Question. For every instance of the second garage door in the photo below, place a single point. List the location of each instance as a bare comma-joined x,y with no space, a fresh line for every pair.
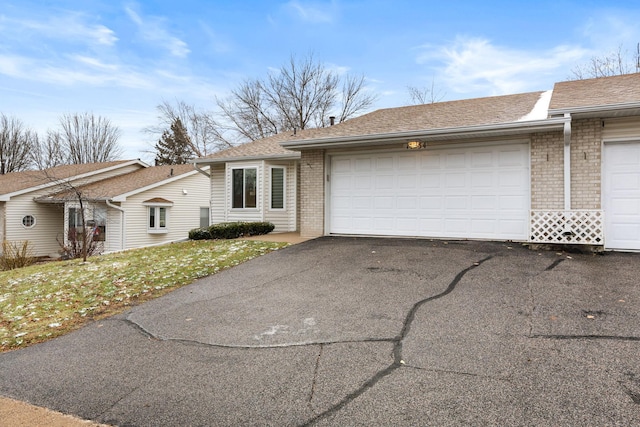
480,192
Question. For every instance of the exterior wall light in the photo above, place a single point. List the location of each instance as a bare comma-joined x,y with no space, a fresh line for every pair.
416,145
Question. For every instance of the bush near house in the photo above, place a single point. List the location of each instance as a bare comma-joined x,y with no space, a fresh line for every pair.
16,255
231,230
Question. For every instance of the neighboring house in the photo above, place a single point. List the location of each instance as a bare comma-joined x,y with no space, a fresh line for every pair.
126,204
560,166
21,218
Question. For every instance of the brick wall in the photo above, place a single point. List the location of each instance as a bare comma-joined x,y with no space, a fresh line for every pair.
586,160
312,193
547,167
547,171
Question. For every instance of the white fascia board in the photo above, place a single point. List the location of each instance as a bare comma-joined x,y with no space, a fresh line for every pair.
123,197
54,182
596,109
502,129
204,160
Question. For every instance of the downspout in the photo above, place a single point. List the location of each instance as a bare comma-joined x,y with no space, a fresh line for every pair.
567,162
122,224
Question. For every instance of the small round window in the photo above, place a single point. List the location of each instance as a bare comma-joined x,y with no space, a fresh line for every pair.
28,221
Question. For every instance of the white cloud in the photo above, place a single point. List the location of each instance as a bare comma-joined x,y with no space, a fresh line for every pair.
153,30
475,65
70,27
314,12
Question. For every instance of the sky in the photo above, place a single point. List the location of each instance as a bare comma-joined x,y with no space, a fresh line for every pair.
120,59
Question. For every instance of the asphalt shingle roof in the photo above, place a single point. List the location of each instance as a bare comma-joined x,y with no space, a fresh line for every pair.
596,92
16,181
122,184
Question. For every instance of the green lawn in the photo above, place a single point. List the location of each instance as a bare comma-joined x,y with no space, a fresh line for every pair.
44,301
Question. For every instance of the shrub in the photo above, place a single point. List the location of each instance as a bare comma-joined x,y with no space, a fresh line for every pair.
200,234
233,230
16,255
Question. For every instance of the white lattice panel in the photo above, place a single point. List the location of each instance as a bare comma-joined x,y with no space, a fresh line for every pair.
584,227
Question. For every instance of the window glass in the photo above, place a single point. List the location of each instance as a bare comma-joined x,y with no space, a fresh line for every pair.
152,217
244,183
163,218
277,188
250,188
238,184
99,223
28,221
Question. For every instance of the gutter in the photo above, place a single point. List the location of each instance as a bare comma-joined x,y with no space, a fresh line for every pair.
205,160
196,167
503,129
123,224
595,109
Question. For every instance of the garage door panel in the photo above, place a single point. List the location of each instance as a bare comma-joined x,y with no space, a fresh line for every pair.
482,159
458,193
621,195
455,180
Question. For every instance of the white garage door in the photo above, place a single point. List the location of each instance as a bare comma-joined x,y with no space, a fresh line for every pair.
621,196
480,192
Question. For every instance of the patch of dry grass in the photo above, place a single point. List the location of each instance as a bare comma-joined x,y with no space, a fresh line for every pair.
40,302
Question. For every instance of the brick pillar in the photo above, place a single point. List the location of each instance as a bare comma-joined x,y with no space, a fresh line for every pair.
312,193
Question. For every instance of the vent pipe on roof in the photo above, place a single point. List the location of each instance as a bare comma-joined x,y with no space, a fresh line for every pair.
332,120
171,172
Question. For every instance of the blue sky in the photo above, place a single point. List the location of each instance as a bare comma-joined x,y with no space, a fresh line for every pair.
120,59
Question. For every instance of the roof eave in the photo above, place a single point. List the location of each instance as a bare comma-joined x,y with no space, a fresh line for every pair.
625,108
464,132
52,181
205,160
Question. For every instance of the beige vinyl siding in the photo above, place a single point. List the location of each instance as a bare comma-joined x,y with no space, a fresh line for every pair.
621,129
183,215
283,219
49,223
114,239
2,221
246,214
218,206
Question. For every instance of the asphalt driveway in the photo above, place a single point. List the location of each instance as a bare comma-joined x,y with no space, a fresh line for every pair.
361,331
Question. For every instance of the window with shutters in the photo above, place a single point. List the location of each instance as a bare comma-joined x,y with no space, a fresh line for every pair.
278,175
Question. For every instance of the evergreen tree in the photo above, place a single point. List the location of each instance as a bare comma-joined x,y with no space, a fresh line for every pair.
174,147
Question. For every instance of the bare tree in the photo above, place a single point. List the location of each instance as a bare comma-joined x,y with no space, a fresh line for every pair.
49,151
614,63
87,138
425,95
16,142
301,94
205,134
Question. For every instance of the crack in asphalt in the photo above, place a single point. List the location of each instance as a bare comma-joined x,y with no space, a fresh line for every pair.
315,379
554,264
398,362
465,374
586,337
154,337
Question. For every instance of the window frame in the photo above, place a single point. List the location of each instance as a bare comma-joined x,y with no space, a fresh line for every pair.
157,228
244,206
284,188
33,223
